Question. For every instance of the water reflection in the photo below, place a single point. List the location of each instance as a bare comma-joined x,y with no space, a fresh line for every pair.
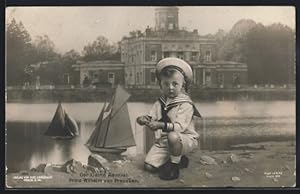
27,146
224,124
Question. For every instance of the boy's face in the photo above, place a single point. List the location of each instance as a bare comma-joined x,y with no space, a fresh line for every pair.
172,86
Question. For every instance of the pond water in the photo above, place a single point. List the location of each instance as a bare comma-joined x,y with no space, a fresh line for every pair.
224,123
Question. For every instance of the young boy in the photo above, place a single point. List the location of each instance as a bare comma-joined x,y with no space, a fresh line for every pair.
171,117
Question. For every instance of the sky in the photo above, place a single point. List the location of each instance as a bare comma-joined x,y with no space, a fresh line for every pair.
74,27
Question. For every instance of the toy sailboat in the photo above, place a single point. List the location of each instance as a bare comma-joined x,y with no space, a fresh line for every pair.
62,125
113,132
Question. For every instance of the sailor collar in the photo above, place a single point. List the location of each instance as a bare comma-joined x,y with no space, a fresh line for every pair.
177,101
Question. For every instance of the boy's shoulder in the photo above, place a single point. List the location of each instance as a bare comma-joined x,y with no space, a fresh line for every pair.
180,99
184,96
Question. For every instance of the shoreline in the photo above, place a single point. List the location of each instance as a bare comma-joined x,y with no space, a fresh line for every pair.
264,164
147,95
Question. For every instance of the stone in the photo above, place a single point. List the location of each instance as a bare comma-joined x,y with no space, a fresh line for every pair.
235,179
233,158
72,166
41,168
118,162
97,161
56,168
286,167
92,169
208,175
207,160
247,170
48,168
23,172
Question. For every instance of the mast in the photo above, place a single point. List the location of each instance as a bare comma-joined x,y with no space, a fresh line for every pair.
113,131
119,133
111,109
92,141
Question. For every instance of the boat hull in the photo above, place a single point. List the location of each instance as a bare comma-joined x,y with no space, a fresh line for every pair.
62,137
108,150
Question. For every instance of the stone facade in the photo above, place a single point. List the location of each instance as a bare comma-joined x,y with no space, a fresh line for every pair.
101,72
141,52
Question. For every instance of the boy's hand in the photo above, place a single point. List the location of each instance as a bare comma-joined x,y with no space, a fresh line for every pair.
143,120
154,125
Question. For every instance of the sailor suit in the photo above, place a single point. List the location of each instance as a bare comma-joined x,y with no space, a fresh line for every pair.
179,111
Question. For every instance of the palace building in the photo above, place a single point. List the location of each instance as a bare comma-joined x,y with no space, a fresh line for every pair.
142,50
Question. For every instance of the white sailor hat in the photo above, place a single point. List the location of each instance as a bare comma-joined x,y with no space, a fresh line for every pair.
178,64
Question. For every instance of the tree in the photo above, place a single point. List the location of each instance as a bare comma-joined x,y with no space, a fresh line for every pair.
44,49
19,52
70,57
269,52
100,49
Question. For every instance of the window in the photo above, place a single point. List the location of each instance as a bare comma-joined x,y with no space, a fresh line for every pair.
208,56
166,54
137,77
207,77
235,79
111,78
180,55
153,56
66,78
171,26
111,75
152,76
194,56
220,78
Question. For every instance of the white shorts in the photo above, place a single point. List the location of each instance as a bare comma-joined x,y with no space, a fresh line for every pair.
159,152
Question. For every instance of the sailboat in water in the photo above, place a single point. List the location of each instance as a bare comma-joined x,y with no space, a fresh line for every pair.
113,132
62,125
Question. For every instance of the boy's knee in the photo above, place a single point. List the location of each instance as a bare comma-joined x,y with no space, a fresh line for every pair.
149,167
173,137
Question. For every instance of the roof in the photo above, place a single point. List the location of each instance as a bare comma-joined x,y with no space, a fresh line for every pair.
99,62
225,63
106,63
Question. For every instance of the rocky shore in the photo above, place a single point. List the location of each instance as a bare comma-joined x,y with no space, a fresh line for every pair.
267,164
